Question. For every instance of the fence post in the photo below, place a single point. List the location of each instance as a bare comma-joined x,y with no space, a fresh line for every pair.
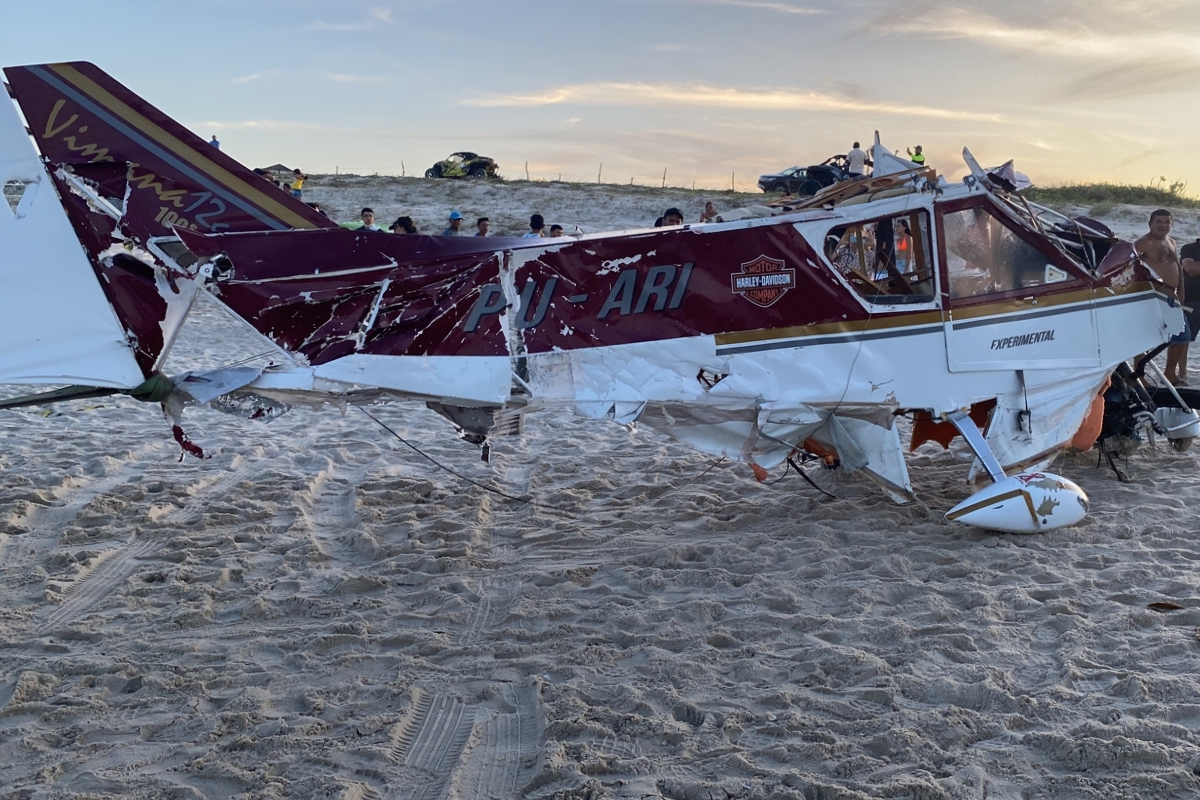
526,170
732,185
402,175
599,172
664,183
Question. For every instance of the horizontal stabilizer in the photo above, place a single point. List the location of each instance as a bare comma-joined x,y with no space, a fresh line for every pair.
56,325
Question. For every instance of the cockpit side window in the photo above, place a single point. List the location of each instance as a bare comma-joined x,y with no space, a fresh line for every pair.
985,256
885,260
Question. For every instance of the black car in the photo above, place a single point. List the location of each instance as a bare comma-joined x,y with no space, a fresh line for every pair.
463,165
805,181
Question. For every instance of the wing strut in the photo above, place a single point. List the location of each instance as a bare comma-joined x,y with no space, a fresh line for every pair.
974,437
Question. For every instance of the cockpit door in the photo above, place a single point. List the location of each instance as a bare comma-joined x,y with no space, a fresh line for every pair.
1013,302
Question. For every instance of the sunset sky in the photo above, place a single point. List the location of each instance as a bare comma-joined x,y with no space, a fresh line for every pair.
706,89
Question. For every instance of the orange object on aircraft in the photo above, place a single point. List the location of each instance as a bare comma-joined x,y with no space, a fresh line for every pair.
925,429
1089,431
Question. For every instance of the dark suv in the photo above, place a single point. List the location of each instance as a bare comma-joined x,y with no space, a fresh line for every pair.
805,181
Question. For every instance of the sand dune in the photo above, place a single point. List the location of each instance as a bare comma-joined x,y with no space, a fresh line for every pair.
317,611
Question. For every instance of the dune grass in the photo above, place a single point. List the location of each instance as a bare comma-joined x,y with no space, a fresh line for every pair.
1103,196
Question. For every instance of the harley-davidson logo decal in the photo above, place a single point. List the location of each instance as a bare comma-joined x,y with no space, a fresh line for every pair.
763,281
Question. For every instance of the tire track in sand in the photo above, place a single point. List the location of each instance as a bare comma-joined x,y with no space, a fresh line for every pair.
429,743
505,754
90,588
360,791
46,524
97,582
496,589
328,512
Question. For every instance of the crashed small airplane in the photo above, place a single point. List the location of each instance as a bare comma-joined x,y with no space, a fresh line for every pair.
806,333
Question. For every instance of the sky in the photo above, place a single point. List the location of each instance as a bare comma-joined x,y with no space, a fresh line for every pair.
713,92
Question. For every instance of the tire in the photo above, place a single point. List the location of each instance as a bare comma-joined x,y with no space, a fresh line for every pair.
1182,445
809,188
477,172
434,172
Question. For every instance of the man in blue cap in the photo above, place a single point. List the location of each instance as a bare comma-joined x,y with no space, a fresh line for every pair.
455,228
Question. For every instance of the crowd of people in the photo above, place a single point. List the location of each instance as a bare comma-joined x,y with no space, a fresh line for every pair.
455,222
294,186
538,229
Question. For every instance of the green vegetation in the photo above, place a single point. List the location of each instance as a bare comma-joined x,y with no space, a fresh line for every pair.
1102,197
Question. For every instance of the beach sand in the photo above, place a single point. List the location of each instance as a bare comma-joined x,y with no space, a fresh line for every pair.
318,611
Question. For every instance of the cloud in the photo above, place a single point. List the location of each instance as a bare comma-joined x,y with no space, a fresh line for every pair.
247,78
762,5
1151,76
340,27
1114,41
376,17
1141,155
262,125
707,96
341,77
1073,40
383,15
675,48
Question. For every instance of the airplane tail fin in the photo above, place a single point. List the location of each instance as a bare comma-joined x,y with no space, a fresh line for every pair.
127,176
79,115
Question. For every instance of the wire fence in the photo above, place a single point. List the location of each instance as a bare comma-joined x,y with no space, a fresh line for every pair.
666,179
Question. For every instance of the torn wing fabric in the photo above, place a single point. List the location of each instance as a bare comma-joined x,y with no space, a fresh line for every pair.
204,387
1029,428
767,435
56,326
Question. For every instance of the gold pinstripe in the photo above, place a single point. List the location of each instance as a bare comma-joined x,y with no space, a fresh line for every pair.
183,151
901,320
962,512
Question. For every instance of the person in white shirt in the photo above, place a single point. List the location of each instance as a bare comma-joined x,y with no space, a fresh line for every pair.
856,161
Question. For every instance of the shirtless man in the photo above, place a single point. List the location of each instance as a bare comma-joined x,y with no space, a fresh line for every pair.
1189,256
1157,250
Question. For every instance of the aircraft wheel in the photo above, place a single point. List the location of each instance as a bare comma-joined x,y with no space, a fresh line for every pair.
1182,445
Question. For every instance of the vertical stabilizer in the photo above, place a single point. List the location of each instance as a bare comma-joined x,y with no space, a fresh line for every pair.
886,163
128,177
80,115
